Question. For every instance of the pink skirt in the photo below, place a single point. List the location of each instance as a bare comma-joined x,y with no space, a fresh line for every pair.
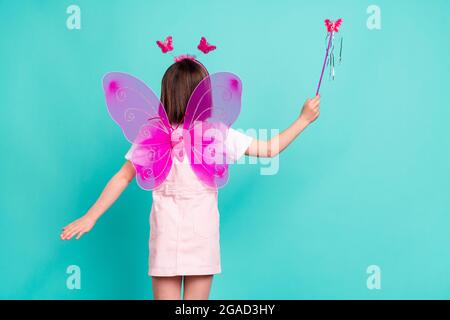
184,232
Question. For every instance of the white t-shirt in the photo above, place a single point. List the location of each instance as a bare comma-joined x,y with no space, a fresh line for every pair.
236,144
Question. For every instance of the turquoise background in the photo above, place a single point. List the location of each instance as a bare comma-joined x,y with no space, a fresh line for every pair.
368,183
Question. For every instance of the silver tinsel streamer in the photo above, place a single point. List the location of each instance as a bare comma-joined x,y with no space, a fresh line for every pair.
331,57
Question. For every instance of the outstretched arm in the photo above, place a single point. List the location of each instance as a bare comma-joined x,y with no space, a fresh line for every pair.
272,147
109,195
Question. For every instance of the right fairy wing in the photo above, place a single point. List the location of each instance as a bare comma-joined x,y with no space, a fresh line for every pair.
212,108
143,119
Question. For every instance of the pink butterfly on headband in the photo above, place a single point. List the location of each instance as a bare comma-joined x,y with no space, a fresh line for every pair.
212,108
204,46
165,45
333,26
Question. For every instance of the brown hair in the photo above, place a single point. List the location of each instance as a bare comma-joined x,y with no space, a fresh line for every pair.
178,83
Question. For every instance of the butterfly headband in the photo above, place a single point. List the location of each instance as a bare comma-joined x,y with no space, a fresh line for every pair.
167,46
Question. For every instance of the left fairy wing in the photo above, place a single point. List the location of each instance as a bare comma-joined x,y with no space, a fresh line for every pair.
213,107
142,117
134,106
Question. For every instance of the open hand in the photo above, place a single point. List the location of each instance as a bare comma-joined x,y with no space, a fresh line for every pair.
77,228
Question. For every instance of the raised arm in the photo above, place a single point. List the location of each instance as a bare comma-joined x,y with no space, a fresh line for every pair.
271,148
114,188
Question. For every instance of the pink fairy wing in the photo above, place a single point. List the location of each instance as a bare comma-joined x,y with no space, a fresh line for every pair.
152,160
133,106
216,99
140,114
213,107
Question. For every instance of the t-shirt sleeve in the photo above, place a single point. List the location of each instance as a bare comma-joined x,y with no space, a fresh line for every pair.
129,153
236,144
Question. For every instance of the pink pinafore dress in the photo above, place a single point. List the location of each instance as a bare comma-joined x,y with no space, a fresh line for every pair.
184,225
184,220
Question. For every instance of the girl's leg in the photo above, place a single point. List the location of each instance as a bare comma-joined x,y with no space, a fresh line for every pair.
166,288
197,287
